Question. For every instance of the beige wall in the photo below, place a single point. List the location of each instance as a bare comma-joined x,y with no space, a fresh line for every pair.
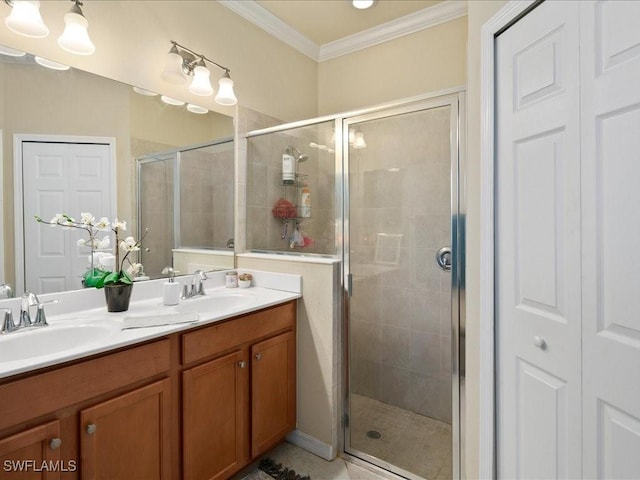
479,13
426,61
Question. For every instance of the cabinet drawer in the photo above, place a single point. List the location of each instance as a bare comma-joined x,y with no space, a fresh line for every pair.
57,389
224,336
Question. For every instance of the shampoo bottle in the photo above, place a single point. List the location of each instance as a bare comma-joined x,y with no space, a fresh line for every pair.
171,290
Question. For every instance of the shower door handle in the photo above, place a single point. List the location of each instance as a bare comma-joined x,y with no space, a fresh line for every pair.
443,258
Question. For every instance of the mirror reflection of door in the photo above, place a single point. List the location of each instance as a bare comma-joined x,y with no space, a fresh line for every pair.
61,177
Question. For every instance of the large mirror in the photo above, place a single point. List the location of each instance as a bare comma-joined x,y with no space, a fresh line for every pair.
44,106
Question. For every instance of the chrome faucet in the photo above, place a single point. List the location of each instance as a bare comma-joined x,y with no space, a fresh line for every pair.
7,321
196,287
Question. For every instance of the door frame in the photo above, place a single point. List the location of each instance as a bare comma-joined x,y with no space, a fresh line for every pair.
506,16
457,102
18,210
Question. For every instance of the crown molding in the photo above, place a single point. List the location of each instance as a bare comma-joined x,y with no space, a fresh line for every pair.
429,17
252,11
412,23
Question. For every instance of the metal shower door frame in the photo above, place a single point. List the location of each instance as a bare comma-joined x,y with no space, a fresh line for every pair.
456,101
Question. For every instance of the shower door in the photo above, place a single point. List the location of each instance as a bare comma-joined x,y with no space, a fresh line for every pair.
402,270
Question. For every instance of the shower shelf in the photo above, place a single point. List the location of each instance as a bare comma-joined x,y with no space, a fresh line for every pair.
293,190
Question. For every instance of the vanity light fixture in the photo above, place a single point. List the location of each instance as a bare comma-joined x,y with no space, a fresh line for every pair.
75,38
171,101
11,52
358,140
183,63
51,64
25,18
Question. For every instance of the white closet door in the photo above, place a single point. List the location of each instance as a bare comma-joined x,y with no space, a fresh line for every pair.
61,178
610,61
538,245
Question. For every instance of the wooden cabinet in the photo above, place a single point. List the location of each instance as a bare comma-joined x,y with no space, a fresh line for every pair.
238,405
273,387
33,454
128,436
214,417
199,404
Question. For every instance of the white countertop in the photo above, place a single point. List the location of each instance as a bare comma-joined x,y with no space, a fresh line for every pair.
90,310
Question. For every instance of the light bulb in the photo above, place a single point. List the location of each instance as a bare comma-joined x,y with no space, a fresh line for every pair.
225,94
197,109
75,38
200,85
25,19
51,64
362,4
172,72
171,100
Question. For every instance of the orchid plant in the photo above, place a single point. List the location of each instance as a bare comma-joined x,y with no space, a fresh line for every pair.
97,277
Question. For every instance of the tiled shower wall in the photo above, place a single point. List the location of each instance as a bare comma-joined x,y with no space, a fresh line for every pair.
400,314
265,187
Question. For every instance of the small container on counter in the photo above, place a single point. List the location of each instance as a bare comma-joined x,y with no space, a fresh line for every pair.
244,280
231,280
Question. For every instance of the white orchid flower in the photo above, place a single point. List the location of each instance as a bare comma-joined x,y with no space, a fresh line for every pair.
58,219
105,242
103,225
129,244
119,224
134,269
87,219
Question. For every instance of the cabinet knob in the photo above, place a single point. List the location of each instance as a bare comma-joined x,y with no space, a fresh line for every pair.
540,342
91,428
258,356
242,364
55,443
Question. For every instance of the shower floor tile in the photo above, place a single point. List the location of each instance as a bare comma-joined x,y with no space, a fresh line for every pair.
415,443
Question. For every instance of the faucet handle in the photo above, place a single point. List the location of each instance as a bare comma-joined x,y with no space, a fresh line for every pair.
7,321
28,300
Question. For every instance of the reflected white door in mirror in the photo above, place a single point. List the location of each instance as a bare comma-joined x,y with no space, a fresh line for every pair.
59,174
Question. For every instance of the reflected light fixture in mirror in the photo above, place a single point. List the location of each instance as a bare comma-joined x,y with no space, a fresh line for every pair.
11,52
171,101
50,64
182,63
75,38
363,4
196,109
25,19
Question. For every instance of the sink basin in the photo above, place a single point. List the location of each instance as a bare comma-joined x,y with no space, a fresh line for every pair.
220,302
56,338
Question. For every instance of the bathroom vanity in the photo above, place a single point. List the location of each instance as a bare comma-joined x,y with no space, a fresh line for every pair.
200,401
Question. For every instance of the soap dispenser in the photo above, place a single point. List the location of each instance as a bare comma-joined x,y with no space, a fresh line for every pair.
171,290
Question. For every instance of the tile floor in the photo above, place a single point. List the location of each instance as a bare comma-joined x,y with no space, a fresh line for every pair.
415,443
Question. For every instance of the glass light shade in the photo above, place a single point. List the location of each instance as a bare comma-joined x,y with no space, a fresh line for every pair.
359,140
171,101
75,38
11,52
200,85
25,19
196,109
225,94
172,72
142,91
51,64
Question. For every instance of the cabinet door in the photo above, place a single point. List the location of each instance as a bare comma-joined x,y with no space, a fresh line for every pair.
273,390
32,454
128,436
215,407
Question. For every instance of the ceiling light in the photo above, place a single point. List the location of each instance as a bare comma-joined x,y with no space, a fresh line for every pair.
182,63
225,94
196,109
363,4
75,38
142,91
25,19
10,52
171,101
51,64
201,85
